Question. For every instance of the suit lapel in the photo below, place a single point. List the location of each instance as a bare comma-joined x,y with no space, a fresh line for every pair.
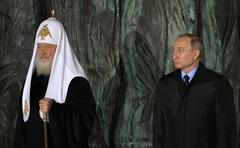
178,86
198,77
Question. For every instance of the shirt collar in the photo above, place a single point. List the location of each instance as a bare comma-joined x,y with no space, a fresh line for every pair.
190,74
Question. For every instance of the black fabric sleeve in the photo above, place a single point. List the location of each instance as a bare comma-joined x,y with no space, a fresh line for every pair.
225,116
75,117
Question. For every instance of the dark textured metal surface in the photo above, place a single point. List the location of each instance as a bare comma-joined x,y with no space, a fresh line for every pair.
124,46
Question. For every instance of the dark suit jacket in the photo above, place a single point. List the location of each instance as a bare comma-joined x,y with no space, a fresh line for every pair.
201,115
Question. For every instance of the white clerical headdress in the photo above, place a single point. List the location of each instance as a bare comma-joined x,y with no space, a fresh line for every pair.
64,68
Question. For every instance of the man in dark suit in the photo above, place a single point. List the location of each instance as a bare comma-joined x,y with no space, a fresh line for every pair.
194,106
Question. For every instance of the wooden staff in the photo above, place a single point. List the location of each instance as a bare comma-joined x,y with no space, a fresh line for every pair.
45,115
45,120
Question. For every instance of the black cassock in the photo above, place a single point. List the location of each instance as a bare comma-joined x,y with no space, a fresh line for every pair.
69,124
201,115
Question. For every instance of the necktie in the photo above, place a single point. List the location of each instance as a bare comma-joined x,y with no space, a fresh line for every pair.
186,80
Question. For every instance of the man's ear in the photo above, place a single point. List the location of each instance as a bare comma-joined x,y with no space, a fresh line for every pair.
196,53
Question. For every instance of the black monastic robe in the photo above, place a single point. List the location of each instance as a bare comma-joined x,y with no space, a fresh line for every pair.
201,115
69,124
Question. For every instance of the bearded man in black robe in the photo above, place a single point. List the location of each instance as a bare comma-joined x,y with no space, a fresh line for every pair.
56,86
194,106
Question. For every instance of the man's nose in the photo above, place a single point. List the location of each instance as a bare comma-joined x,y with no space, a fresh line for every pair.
174,55
42,51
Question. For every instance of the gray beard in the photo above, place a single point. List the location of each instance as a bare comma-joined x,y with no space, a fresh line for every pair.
43,68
